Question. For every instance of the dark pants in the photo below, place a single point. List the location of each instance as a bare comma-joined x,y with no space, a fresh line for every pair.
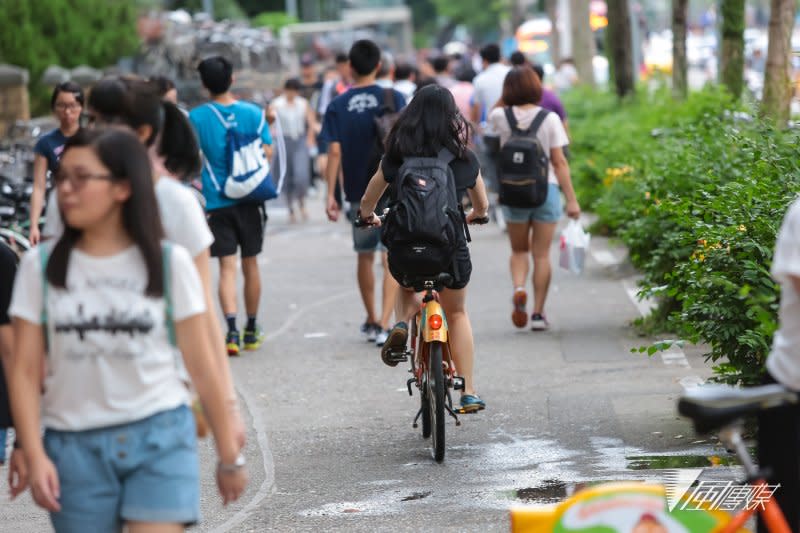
779,452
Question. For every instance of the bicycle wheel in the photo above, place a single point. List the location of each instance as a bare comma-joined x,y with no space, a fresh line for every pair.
436,399
426,408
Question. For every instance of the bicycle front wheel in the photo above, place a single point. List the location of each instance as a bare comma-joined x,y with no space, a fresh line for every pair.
436,399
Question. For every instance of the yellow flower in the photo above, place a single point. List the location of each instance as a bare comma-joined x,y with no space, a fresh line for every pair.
742,228
647,195
715,460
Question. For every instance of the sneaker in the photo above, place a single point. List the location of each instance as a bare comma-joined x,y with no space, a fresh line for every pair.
520,315
395,344
370,331
253,339
232,343
539,322
381,337
471,403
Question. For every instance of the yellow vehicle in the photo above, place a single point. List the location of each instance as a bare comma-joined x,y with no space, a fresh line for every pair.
617,508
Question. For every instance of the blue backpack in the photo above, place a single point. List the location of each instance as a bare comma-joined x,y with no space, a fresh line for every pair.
249,179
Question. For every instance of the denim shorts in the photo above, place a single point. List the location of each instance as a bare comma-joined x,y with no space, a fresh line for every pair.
145,471
365,240
549,212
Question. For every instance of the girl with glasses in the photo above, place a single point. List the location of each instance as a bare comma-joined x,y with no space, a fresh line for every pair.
112,305
67,105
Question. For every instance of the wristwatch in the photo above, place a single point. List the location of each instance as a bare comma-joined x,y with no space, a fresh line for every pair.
234,467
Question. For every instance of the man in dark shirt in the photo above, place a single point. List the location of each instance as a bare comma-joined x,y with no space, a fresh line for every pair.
349,127
17,469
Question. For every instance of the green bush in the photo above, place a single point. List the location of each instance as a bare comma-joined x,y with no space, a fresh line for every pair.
698,197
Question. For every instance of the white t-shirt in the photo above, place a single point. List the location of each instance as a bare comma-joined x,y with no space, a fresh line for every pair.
182,216
489,85
110,360
293,116
784,360
551,134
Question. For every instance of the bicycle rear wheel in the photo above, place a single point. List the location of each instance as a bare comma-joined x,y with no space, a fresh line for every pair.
436,399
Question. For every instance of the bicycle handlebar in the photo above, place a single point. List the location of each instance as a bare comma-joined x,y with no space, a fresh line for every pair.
361,223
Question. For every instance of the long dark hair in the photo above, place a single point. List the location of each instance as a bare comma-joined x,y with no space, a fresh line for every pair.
126,159
429,123
137,103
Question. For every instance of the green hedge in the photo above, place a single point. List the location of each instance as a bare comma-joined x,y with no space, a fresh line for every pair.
697,193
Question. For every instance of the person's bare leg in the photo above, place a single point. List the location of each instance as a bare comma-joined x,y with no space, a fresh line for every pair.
519,236
462,344
252,285
406,305
366,283
390,291
227,284
541,240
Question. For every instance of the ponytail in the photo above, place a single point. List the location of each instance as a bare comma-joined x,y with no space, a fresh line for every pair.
178,144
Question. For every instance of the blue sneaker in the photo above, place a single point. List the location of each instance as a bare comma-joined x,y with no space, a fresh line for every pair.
471,403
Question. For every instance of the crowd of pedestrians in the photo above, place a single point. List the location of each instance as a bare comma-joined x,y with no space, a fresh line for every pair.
116,350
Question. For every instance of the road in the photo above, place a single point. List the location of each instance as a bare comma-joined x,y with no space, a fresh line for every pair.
330,442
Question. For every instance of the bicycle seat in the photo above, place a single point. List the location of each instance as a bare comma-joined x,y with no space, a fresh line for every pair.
713,407
438,282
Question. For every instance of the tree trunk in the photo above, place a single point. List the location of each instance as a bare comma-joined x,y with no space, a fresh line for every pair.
621,43
582,41
555,35
680,69
777,78
732,57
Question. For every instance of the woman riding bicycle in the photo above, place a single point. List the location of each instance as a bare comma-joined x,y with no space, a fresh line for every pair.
430,123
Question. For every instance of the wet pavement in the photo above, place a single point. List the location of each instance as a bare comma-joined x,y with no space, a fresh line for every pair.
331,446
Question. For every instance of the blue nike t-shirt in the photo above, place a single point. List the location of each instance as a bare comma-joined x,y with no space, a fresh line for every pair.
212,135
350,121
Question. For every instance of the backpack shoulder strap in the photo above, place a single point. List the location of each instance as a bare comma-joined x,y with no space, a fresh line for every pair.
44,256
219,115
445,156
512,120
166,268
537,122
388,100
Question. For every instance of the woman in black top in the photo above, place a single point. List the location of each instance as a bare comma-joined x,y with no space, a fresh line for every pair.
67,105
428,124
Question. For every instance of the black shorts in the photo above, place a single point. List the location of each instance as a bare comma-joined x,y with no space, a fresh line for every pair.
461,270
235,227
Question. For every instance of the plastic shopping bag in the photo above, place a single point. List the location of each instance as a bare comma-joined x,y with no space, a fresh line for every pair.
574,245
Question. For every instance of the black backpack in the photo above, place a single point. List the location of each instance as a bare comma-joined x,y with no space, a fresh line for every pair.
425,225
523,165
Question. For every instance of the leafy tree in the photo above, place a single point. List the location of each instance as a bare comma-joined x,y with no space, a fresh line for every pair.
732,57
778,87
35,35
679,61
274,20
480,16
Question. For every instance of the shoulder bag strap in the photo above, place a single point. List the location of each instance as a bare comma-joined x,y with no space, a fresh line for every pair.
43,258
166,268
445,156
219,115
